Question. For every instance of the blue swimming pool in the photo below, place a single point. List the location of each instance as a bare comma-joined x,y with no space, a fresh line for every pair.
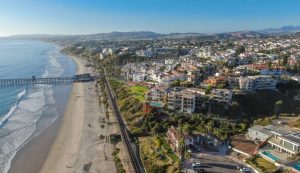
296,166
268,154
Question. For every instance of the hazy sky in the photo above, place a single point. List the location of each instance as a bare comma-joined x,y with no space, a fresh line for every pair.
165,16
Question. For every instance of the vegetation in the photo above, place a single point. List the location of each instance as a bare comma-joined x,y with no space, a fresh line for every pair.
261,164
278,107
129,100
295,123
264,121
157,155
117,160
138,92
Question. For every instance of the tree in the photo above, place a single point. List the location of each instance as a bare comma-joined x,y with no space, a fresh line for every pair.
186,128
156,128
181,147
240,49
269,64
277,107
208,89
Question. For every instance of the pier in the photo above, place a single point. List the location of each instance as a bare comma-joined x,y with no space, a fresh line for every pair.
47,81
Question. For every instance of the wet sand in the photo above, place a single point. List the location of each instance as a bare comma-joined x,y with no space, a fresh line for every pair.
72,143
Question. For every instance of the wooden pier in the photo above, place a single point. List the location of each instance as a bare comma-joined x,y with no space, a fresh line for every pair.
48,80
33,81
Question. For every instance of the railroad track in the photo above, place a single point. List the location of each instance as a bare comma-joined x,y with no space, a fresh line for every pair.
136,161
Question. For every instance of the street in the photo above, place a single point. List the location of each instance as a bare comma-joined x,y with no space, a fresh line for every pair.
212,163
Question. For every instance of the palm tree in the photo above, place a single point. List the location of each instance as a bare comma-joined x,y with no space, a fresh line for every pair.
181,147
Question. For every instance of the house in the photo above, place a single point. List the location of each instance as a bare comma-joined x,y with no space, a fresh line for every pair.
174,136
215,81
260,133
285,140
257,82
138,77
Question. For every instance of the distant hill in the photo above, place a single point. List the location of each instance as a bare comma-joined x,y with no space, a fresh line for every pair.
153,35
124,35
282,30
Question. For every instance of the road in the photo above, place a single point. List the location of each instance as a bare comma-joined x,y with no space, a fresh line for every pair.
213,164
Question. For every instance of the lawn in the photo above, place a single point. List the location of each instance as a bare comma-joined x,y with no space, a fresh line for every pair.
139,92
262,164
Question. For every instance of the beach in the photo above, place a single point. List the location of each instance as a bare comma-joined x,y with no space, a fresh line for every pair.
72,143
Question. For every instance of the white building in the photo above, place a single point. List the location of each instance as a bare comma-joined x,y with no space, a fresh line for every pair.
273,72
260,133
257,82
144,53
221,95
138,77
182,101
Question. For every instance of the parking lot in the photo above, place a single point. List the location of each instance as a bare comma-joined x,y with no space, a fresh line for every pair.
212,163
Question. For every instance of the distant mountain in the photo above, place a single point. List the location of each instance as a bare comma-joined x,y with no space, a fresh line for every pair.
99,36
153,35
282,30
123,35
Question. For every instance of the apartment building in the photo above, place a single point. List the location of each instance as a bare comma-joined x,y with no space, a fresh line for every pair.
257,82
182,101
159,93
221,96
145,53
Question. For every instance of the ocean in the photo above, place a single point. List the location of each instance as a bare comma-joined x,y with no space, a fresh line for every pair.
26,111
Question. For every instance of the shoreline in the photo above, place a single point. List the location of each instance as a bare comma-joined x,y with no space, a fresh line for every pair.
66,143
39,147
73,140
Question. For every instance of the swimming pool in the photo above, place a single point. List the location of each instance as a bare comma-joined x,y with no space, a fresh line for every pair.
268,154
296,166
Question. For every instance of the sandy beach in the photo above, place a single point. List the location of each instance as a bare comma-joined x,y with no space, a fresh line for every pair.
77,147
72,143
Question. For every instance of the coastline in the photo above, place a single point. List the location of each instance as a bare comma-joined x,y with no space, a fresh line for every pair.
72,143
66,143
38,148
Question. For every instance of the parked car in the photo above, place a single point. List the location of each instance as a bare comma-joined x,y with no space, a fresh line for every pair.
245,170
198,166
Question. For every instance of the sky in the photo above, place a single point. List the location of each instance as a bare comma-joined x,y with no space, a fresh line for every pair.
162,16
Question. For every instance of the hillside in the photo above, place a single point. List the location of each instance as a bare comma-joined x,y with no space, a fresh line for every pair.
261,103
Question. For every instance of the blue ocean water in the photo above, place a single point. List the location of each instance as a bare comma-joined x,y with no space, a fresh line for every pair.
21,108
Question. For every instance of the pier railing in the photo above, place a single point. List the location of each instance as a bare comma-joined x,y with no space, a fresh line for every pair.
33,81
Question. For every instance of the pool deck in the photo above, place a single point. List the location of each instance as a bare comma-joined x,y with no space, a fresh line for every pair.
282,156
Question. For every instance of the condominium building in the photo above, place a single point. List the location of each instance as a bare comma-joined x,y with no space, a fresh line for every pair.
221,95
257,82
182,101
159,93
145,53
